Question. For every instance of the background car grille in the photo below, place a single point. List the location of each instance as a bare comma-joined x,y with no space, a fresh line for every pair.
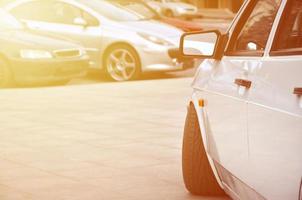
67,53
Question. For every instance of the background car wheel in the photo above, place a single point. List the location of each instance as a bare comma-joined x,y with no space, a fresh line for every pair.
169,13
5,75
122,63
197,173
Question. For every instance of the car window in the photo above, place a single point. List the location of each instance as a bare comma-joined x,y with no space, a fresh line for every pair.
113,10
140,8
52,11
36,10
288,40
252,32
174,1
67,13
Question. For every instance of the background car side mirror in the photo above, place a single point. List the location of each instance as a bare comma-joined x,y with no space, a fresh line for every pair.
80,22
206,44
24,24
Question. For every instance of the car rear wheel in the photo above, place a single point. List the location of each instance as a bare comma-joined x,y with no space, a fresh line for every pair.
122,63
197,173
5,75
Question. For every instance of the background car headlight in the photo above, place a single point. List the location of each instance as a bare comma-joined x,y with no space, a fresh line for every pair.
35,54
155,39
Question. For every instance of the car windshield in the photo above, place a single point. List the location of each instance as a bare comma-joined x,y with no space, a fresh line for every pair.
115,11
173,1
8,22
139,7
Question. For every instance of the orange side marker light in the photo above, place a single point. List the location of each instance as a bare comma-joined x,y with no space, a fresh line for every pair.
201,103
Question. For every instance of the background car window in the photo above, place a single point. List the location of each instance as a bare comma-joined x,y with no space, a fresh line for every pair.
140,8
113,10
36,10
66,14
174,1
251,36
52,11
288,40
91,20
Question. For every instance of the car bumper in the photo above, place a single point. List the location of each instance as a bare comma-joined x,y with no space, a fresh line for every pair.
158,59
40,71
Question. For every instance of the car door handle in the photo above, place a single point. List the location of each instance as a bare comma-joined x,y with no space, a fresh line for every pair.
242,82
298,91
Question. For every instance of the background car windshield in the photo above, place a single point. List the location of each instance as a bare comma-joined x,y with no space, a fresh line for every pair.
114,11
173,1
140,8
8,22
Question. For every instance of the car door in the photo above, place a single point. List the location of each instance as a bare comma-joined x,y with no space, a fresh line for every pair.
275,112
62,20
230,86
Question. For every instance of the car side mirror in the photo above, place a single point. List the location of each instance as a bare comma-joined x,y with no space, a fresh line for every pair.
23,24
202,44
80,22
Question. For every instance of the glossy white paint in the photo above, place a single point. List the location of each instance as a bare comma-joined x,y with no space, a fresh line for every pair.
96,39
275,128
254,134
226,110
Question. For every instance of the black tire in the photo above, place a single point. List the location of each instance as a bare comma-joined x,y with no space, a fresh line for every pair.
6,76
197,173
111,71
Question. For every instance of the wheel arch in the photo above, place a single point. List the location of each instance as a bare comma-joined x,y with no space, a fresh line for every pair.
201,115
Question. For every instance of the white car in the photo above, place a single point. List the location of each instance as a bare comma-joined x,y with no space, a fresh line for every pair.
172,8
120,41
243,133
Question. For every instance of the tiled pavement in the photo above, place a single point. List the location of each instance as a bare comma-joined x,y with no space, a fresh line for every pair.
94,142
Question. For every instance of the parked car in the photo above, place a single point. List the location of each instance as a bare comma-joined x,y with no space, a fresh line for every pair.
173,8
243,129
121,42
144,9
26,58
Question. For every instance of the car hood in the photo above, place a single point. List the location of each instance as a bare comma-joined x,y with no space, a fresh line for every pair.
24,39
153,27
